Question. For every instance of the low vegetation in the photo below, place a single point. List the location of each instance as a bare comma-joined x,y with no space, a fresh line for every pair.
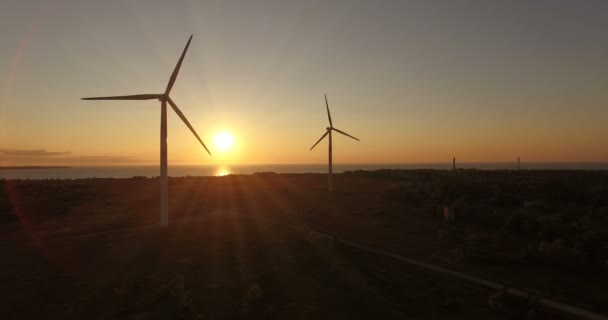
543,231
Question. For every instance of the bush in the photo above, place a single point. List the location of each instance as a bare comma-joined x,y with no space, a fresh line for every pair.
496,219
558,252
516,222
600,216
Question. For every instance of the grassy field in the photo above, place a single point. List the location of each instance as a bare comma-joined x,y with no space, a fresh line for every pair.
225,256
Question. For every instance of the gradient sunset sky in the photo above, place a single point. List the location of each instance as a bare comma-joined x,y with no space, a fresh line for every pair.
416,81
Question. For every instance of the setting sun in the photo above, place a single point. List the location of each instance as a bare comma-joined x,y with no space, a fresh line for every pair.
223,141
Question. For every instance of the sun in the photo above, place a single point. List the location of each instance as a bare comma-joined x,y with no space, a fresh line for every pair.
223,141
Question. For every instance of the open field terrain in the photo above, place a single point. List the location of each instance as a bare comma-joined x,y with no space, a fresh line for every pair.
89,248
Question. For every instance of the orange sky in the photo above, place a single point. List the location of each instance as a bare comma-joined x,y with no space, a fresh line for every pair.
420,81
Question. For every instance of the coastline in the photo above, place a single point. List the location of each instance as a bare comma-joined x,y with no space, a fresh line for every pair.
33,167
210,170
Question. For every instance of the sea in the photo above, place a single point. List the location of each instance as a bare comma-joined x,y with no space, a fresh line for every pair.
82,172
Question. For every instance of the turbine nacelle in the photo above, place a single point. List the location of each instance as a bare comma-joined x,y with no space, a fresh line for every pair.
330,128
163,97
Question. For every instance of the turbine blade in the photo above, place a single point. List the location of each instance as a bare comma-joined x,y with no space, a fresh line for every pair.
177,67
181,115
328,114
130,97
344,133
323,136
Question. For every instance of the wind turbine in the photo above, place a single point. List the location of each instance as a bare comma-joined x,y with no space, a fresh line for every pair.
328,131
164,98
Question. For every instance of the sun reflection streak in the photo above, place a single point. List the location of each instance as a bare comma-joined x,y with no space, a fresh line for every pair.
222,171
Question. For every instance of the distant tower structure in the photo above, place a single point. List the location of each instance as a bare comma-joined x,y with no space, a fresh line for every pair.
518,163
454,163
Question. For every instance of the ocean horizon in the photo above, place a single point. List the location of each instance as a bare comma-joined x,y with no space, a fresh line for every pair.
129,171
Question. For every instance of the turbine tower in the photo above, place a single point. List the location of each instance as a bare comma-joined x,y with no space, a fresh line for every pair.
164,98
518,162
328,131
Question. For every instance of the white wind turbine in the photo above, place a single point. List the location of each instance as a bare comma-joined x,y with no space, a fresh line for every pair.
328,132
163,98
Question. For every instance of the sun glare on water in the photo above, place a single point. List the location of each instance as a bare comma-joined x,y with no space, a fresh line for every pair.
222,171
223,141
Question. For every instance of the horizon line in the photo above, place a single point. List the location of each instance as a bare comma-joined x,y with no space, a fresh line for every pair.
308,163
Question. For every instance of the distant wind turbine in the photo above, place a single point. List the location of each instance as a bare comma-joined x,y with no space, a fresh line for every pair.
163,98
328,131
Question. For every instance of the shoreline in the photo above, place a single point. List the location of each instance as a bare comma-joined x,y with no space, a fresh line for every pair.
33,167
359,172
